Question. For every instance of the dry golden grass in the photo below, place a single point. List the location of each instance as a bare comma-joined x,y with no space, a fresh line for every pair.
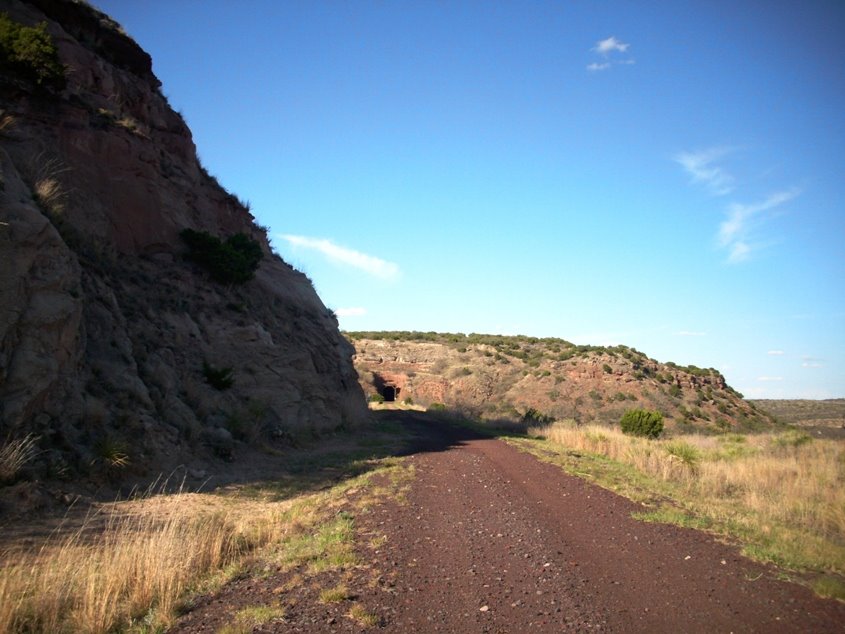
335,594
132,562
14,454
44,174
247,619
127,560
50,195
7,123
362,616
786,492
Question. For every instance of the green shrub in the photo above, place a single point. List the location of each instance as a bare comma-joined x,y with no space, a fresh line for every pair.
641,422
28,53
607,369
408,401
533,416
218,378
675,390
436,407
376,398
231,262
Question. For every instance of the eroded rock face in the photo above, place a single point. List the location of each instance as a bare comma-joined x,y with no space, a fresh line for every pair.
507,379
105,327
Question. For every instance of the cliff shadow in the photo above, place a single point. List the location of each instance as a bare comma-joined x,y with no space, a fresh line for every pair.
330,460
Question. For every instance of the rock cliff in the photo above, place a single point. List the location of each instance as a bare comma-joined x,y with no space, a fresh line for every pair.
505,377
112,343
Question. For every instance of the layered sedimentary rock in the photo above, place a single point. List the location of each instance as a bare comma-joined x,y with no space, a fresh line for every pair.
109,337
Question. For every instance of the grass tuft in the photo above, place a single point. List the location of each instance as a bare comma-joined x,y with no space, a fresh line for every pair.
330,546
829,587
360,614
684,453
250,617
15,454
335,594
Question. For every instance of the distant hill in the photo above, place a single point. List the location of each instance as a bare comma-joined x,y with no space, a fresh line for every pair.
806,412
504,377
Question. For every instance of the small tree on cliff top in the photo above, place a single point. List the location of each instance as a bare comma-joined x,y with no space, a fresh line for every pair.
28,53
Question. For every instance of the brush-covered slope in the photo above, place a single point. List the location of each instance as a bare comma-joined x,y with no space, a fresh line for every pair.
503,377
117,351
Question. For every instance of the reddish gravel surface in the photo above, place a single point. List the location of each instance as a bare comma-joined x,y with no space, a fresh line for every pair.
493,540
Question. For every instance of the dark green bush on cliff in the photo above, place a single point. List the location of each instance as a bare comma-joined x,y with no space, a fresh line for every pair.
218,378
641,422
28,53
536,417
231,262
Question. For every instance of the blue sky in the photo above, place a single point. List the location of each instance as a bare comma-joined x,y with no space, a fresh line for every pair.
670,176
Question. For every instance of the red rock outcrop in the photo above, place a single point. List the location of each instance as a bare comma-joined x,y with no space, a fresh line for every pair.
510,375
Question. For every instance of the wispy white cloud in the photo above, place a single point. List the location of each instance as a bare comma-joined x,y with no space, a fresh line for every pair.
811,362
691,333
345,256
735,228
701,166
775,353
735,233
355,311
605,47
609,51
739,252
769,379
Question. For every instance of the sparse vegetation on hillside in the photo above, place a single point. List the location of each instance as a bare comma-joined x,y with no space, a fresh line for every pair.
29,54
528,349
502,376
233,261
804,411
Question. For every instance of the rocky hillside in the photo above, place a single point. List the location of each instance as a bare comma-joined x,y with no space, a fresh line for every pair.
118,352
504,377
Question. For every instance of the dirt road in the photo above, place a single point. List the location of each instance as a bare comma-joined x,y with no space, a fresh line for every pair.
492,540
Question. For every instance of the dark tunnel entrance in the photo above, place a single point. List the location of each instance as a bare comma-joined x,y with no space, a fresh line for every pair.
390,393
